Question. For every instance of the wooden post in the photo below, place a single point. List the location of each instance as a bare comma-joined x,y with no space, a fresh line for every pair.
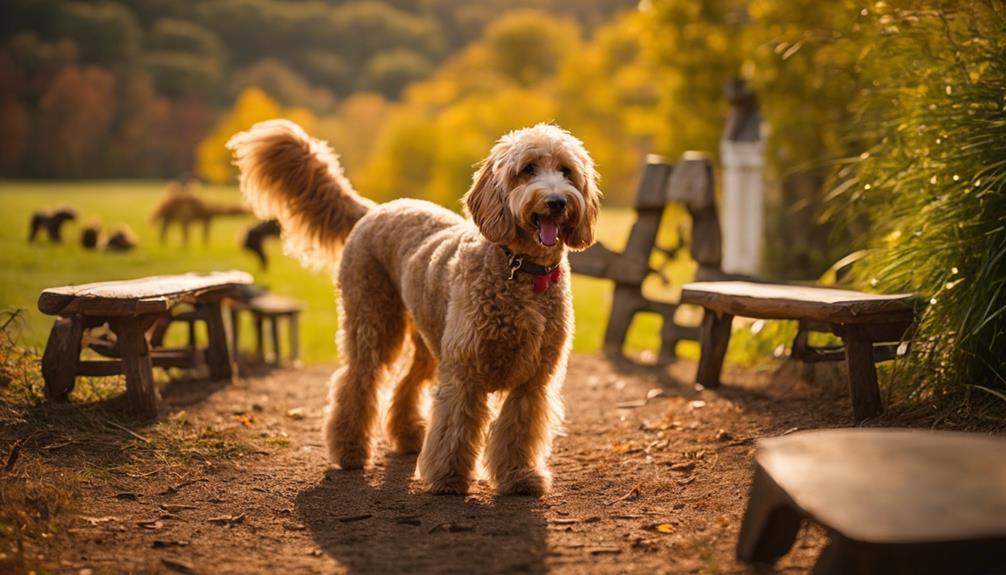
295,337
141,393
218,351
59,361
862,372
714,337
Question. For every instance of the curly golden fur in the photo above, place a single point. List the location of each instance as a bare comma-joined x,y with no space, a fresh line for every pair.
414,275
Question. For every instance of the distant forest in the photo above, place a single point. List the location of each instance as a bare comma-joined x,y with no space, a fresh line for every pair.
103,89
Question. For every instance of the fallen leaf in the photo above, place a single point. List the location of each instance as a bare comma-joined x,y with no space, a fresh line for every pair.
449,527
227,519
633,493
352,518
683,467
665,528
100,520
176,507
178,565
242,419
654,393
162,543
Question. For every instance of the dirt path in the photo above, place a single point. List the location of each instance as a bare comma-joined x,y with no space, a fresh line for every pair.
653,486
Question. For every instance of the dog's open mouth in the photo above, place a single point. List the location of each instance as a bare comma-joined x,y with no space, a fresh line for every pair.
548,229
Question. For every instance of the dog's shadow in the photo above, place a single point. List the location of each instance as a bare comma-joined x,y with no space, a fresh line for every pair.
379,521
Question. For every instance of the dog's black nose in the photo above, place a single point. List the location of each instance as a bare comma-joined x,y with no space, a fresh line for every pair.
556,205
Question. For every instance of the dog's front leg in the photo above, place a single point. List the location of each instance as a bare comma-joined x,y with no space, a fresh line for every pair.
456,434
521,439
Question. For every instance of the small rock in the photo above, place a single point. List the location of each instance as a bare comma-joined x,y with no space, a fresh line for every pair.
297,413
723,435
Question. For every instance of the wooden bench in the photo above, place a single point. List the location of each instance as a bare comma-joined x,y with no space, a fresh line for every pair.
860,319
690,184
892,501
269,308
136,312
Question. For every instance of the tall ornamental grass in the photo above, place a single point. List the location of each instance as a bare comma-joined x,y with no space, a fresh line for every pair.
933,187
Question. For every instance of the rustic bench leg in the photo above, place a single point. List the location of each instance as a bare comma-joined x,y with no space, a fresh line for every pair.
259,338
625,302
294,337
276,347
862,373
141,393
59,361
770,525
218,352
236,333
714,337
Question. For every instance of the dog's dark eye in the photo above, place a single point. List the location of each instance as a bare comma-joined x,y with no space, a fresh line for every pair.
566,172
528,170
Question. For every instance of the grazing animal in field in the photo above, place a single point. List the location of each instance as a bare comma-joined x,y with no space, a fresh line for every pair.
483,302
255,238
52,222
90,237
121,240
182,205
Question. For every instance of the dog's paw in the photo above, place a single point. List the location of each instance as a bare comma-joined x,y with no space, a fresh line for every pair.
409,442
529,482
449,486
349,456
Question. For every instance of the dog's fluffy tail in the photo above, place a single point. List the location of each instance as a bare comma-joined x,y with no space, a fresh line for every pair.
292,177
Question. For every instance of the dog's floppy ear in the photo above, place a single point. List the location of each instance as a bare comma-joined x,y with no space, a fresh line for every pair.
580,236
487,205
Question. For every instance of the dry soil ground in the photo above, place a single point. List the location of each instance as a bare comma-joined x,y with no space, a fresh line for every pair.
651,476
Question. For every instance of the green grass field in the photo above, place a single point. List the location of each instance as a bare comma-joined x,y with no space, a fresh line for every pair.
26,269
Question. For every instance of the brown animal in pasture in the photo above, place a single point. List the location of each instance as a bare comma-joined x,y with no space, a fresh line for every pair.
90,236
182,205
483,302
52,222
255,238
121,240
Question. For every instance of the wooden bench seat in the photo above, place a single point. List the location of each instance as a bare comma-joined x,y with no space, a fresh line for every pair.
892,501
860,319
137,312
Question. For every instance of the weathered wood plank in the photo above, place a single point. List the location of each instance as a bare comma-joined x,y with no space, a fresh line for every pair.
774,301
133,297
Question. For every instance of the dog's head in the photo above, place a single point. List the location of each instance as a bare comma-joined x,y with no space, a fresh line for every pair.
536,193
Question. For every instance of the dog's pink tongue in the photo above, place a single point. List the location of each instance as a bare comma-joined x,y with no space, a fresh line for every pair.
548,232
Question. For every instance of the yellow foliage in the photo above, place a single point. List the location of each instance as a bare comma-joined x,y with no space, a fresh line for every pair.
213,159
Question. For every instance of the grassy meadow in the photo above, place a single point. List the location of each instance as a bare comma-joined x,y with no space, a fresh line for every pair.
26,269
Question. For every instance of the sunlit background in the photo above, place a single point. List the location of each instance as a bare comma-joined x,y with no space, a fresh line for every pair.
882,127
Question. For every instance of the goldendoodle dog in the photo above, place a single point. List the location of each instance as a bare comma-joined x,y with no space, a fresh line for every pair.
485,301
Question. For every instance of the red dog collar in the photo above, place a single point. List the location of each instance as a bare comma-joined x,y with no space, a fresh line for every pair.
543,275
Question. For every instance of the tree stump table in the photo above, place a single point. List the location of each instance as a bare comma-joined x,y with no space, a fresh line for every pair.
132,309
860,319
892,501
